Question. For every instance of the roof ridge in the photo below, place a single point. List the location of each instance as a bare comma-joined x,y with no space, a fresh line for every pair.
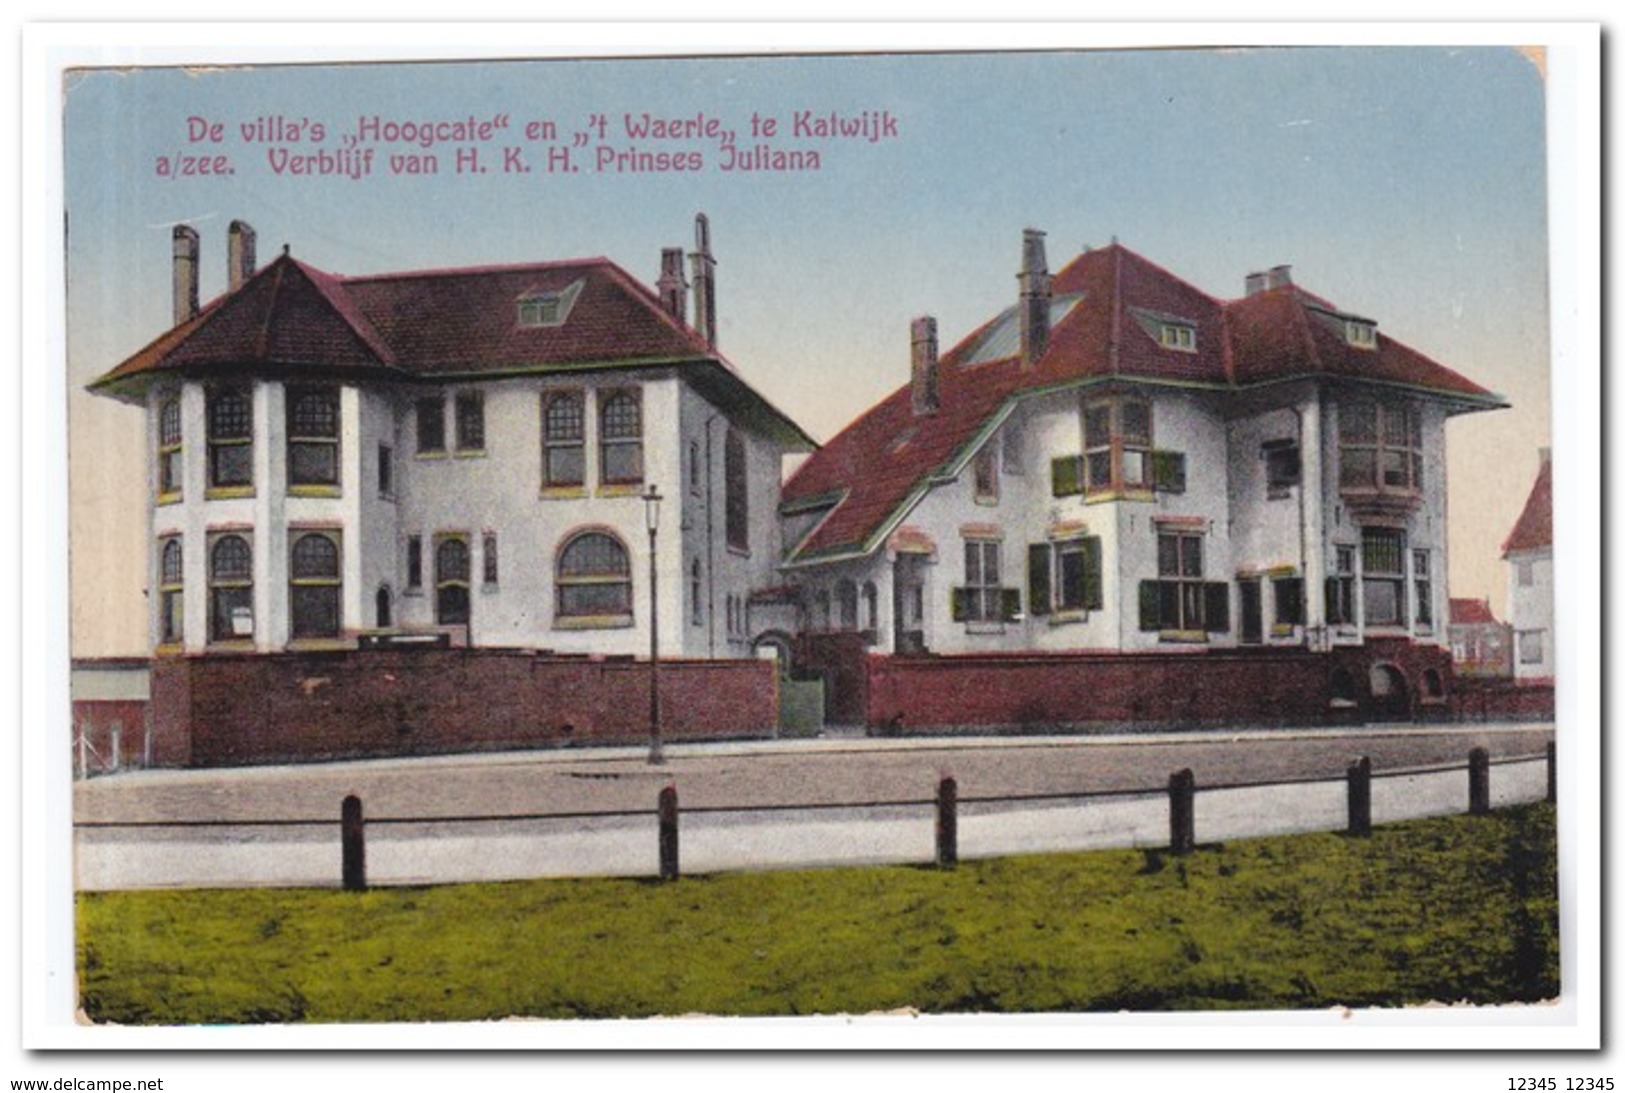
472,271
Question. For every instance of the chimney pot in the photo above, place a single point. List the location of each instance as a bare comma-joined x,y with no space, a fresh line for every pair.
1280,276
923,360
184,272
1256,283
240,259
1035,297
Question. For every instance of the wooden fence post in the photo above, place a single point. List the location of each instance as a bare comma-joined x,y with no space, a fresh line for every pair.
1182,812
353,836
1478,782
947,823
668,833
1551,771
1360,798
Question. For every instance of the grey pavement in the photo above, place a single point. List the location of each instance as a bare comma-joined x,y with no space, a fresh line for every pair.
724,775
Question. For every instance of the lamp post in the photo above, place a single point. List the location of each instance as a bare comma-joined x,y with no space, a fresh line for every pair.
651,516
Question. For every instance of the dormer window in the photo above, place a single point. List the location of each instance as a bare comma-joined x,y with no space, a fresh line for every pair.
1181,336
1360,333
538,309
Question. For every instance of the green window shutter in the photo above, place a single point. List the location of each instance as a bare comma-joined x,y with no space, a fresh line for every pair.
1216,606
1094,598
1065,479
1010,604
1038,589
1150,605
961,597
1168,471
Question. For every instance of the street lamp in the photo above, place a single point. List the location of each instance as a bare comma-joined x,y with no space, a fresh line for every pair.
651,517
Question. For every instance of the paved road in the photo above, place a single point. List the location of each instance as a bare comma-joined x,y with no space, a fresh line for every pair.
801,780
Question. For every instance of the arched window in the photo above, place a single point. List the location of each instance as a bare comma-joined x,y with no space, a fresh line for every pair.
383,608
451,570
564,435
315,585
594,578
231,589
171,593
871,607
170,455
846,600
620,439
696,607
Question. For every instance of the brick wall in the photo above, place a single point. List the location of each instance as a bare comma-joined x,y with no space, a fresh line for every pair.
1148,690
224,710
96,720
1504,700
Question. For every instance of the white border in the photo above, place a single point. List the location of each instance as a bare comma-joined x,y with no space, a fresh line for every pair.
1573,117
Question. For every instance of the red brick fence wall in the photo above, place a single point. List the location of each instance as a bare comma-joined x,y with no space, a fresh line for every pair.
225,710
1213,687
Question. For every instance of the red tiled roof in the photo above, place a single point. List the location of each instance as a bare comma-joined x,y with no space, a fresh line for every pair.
1533,531
1470,612
1110,304
431,323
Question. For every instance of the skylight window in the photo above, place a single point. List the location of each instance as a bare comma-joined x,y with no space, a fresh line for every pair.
1181,336
539,309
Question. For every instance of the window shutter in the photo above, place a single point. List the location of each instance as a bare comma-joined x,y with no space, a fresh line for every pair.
1065,478
1038,586
1010,604
1150,605
1168,471
1094,598
1216,606
961,597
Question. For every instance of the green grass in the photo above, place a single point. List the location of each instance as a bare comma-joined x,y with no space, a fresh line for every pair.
1449,909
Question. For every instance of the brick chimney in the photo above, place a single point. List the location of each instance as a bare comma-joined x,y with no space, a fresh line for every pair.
672,288
240,262
705,285
1035,297
923,358
185,273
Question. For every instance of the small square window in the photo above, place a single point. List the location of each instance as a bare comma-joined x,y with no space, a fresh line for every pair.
1178,336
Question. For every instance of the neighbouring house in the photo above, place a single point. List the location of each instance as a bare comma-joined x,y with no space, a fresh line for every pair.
1122,464
456,457
1528,554
1480,643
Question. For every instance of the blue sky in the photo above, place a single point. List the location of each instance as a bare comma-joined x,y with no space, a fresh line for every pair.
1407,184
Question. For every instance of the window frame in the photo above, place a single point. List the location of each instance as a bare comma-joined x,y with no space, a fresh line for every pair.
302,438
736,492
615,436
983,598
468,422
453,598
1108,452
227,590
1394,440
1376,544
430,411
304,586
225,442
171,590
562,435
985,473
171,452
566,583
1422,588
1181,587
